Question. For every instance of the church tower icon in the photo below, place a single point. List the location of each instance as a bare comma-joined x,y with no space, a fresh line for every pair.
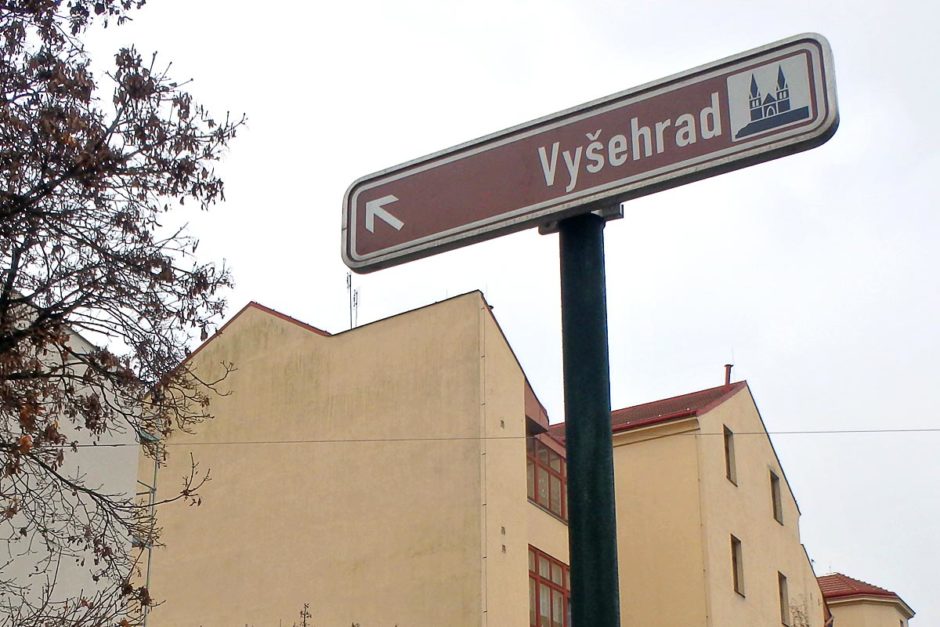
773,109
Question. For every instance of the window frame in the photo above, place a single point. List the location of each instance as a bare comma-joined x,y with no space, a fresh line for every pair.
535,465
776,497
737,565
783,591
731,471
538,582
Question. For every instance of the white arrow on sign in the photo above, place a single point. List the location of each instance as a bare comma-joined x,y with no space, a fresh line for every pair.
374,208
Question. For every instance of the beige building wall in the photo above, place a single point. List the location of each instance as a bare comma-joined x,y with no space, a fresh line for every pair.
867,613
503,463
548,534
676,512
659,537
745,509
378,475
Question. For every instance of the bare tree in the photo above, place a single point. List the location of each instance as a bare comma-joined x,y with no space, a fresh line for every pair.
93,172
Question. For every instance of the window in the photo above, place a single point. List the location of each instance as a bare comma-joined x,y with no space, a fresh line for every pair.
729,457
549,591
784,599
775,495
547,478
737,566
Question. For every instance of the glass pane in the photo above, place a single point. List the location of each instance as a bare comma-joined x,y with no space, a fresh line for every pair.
531,479
531,561
533,614
555,460
544,568
558,608
545,605
556,574
542,453
542,497
567,580
555,503
529,445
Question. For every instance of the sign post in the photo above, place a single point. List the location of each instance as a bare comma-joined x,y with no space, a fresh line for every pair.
592,525
565,172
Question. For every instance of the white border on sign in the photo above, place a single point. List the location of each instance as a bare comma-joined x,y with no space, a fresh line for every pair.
767,146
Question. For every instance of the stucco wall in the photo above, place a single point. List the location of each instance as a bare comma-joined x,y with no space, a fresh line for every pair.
867,614
746,510
369,505
506,591
659,527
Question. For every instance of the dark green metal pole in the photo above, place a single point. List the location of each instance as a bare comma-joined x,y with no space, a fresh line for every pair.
592,526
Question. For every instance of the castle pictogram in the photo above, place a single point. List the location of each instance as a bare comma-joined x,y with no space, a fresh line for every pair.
772,110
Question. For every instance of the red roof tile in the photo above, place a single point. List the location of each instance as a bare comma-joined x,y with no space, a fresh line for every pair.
837,585
837,588
684,406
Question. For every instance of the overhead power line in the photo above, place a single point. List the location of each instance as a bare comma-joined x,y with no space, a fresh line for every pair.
492,438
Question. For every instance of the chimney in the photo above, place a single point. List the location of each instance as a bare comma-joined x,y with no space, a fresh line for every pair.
728,368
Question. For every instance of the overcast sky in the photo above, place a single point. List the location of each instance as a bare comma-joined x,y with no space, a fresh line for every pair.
815,274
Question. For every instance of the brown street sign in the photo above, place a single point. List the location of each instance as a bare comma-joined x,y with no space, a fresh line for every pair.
755,106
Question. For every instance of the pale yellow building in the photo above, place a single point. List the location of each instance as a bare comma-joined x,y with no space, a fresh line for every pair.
856,603
708,530
376,474
400,473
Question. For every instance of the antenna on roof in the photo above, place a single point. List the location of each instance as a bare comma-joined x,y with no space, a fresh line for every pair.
355,306
349,290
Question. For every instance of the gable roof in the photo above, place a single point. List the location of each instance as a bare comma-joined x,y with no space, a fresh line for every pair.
282,316
255,305
656,412
534,408
836,587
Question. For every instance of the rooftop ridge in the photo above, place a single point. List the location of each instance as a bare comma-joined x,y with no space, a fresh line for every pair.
836,585
677,397
284,316
725,390
685,405
838,588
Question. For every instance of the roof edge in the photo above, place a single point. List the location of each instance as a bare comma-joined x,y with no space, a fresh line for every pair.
655,421
512,351
870,597
283,316
852,589
254,305
773,449
731,390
